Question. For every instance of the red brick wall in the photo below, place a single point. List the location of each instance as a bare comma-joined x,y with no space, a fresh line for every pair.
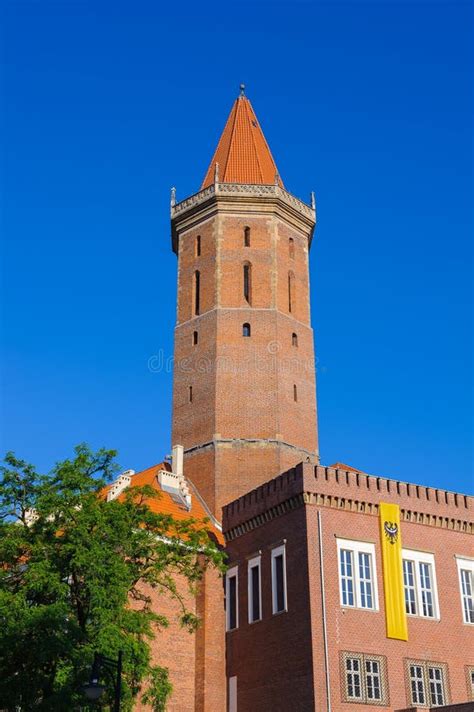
196,661
272,658
243,388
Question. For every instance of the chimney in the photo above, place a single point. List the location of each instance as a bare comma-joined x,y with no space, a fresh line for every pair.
173,482
177,456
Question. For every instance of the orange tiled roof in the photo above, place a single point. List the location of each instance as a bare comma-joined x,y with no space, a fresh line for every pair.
242,153
165,504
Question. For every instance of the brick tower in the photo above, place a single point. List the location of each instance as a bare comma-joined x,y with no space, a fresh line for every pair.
244,396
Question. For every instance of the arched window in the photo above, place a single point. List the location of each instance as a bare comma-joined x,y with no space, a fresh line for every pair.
246,329
295,393
248,282
291,246
197,246
294,339
195,338
197,292
190,392
291,292
246,237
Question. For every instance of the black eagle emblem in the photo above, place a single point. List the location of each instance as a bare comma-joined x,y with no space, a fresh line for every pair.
391,531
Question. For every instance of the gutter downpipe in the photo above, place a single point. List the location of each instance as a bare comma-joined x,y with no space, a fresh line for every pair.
323,606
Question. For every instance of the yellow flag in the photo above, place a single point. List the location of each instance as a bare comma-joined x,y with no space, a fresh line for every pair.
395,615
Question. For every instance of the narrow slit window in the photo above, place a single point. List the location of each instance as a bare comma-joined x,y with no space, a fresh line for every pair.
295,393
198,246
195,338
291,292
246,237
190,394
232,610
246,331
291,246
197,292
279,580
248,283
254,590
294,339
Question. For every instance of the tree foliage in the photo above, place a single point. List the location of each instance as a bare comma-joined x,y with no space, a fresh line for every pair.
72,569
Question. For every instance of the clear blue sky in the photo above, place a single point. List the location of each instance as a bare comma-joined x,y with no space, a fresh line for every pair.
110,104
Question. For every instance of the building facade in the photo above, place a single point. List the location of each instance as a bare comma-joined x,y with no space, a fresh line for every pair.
307,605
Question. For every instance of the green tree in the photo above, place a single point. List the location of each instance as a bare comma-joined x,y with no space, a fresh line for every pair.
71,563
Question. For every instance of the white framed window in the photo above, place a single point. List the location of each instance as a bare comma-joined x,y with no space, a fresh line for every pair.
427,683
232,598
279,592
357,574
364,678
419,580
466,587
254,585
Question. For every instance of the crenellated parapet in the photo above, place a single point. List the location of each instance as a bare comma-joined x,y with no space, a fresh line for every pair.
346,490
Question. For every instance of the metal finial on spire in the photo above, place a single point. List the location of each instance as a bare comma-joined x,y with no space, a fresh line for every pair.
242,90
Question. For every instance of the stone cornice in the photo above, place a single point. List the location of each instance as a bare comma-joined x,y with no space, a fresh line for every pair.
228,196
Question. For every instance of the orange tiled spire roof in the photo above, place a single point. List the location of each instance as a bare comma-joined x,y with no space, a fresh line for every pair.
242,154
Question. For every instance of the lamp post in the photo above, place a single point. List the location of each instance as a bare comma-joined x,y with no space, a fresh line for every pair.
93,689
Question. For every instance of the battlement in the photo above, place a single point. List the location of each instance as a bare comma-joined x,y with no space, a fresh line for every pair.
353,491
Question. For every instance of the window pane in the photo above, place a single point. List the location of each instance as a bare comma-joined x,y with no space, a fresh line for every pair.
467,595
435,676
365,581
232,603
409,584
426,586
417,685
372,674
279,583
255,588
347,577
354,689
